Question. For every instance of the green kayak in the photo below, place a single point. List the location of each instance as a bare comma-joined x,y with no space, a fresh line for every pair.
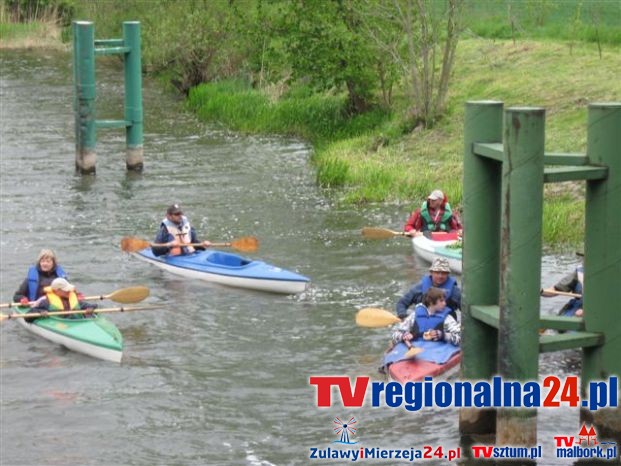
94,336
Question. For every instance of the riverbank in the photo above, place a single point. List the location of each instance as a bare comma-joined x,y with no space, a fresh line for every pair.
377,157
35,34
381,160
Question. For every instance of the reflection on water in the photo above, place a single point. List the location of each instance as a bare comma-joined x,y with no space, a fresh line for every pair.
220,376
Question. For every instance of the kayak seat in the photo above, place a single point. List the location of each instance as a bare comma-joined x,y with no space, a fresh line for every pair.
226,259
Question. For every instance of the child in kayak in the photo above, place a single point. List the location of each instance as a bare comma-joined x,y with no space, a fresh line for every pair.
431,320
61,296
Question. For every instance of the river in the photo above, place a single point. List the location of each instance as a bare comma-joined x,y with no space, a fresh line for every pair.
220,375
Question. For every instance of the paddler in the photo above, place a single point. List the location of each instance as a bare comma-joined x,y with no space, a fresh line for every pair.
175,231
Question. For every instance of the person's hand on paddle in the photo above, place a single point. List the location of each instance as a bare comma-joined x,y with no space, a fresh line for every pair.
89,311
24,302
43,313
207,243
174,243
407,336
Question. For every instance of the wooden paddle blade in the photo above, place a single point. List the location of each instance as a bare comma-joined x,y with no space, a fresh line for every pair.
413,352
134,294
246,244
375,317
380,233
132,244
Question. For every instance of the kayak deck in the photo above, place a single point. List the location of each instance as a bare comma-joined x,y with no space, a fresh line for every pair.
230,270
94,336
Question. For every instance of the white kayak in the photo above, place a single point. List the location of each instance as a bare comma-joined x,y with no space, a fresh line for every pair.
429,249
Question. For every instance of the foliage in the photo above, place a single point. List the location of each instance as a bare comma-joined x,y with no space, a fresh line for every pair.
421,38
319,118
27,11
325,49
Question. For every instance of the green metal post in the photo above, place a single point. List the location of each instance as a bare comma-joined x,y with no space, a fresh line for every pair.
133,96
84,61
481,252
520,264
602,267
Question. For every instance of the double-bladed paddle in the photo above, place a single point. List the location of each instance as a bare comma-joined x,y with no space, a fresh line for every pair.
78,311
560,293
244,244
130,295
374,317
381,233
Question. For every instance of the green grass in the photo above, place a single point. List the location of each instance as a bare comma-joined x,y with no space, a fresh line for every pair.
376,158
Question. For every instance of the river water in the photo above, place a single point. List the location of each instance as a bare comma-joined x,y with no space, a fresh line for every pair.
219,376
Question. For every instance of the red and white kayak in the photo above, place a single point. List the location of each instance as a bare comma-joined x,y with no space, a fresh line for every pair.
437,359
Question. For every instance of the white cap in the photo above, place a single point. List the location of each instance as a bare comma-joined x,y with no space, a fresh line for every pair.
62,285
436,194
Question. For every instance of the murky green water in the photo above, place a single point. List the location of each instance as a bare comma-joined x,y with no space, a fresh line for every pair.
220,376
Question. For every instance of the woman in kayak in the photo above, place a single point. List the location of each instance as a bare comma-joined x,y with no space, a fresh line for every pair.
38,277
431,320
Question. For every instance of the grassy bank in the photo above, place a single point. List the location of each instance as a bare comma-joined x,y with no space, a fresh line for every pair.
376,158
41,30
30,35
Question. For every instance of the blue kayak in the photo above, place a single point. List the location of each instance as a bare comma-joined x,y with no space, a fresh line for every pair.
436,359
229,269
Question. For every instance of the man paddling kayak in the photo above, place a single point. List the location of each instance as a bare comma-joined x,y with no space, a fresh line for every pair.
175,231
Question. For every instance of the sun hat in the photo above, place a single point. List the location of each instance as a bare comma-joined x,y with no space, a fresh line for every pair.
436,194
62,285
440,264
174,209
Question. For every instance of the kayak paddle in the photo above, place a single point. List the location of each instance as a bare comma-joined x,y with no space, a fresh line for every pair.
244,244
375,317
78,311
413,351
560,293
380,233
133,294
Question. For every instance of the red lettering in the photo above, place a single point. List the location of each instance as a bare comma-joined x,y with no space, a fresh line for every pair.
481,451
555,384
566,441
351,398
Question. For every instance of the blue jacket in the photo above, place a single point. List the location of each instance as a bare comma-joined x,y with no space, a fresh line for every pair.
415,295
36,280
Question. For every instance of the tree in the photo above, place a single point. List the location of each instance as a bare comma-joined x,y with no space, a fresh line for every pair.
421,36
325,47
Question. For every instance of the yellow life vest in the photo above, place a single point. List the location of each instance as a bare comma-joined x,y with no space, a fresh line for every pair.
56,303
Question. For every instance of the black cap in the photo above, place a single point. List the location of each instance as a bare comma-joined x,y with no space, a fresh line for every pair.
174,209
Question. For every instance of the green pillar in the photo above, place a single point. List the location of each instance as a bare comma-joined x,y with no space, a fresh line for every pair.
482,179
84,73
133,96
520,264
602,261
